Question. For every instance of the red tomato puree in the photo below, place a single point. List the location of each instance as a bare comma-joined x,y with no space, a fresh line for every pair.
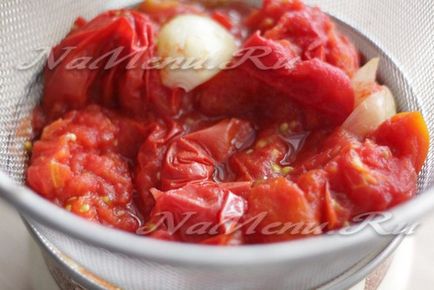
117,147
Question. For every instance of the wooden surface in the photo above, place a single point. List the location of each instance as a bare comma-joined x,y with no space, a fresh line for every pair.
17,252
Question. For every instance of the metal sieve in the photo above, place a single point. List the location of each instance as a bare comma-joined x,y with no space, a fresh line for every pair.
398,31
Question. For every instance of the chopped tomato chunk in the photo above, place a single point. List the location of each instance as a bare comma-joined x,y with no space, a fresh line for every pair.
77,165
197,156
407,135
202,210
312,83
255,152
287,214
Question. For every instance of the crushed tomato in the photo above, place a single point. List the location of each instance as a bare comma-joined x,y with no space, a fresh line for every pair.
115,146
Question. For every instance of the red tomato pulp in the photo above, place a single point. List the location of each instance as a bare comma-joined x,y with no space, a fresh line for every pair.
115,146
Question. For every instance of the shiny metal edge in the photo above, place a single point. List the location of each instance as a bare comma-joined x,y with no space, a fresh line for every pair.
348,279
363,268
42,211
68,266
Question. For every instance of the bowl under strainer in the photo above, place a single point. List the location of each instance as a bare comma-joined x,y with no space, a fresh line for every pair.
399,31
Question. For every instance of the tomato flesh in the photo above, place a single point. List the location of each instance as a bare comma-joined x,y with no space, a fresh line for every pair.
407,135
261,141
77,165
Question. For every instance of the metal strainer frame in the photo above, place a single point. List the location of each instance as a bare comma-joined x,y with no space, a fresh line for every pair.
176,263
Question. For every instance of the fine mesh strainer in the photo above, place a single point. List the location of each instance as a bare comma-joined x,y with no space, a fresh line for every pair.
398,31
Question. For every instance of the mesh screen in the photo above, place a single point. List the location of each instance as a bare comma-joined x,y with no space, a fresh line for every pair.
401,33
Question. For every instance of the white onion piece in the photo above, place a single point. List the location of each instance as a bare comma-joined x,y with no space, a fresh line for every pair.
368,72
371,113
198,40
365,79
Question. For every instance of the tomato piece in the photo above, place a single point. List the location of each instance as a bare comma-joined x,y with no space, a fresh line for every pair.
332,209
315,36
73,83
78,23
284,203
270,13
338,209
312,83
239,188
162,99
223,19
149,161
196,156
185,162
342,53
262,160
127,219
407,135
373,178
258,144
131,134
310,32
237,99
321,147
313,184
304,29
211,211
364,174
162,11
132,83
76,164
232,135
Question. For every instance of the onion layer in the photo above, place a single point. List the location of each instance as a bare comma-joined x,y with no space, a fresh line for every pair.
196,47
364,81
371,113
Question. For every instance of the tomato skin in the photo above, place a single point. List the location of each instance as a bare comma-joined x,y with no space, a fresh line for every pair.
195,157
69,86
407,135
209,203
312,83
185,162
149,161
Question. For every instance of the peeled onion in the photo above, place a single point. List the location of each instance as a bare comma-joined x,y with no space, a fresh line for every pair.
368,72
198,39
371,113
364,80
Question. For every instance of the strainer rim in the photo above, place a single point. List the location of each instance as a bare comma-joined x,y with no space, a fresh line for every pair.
36,208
